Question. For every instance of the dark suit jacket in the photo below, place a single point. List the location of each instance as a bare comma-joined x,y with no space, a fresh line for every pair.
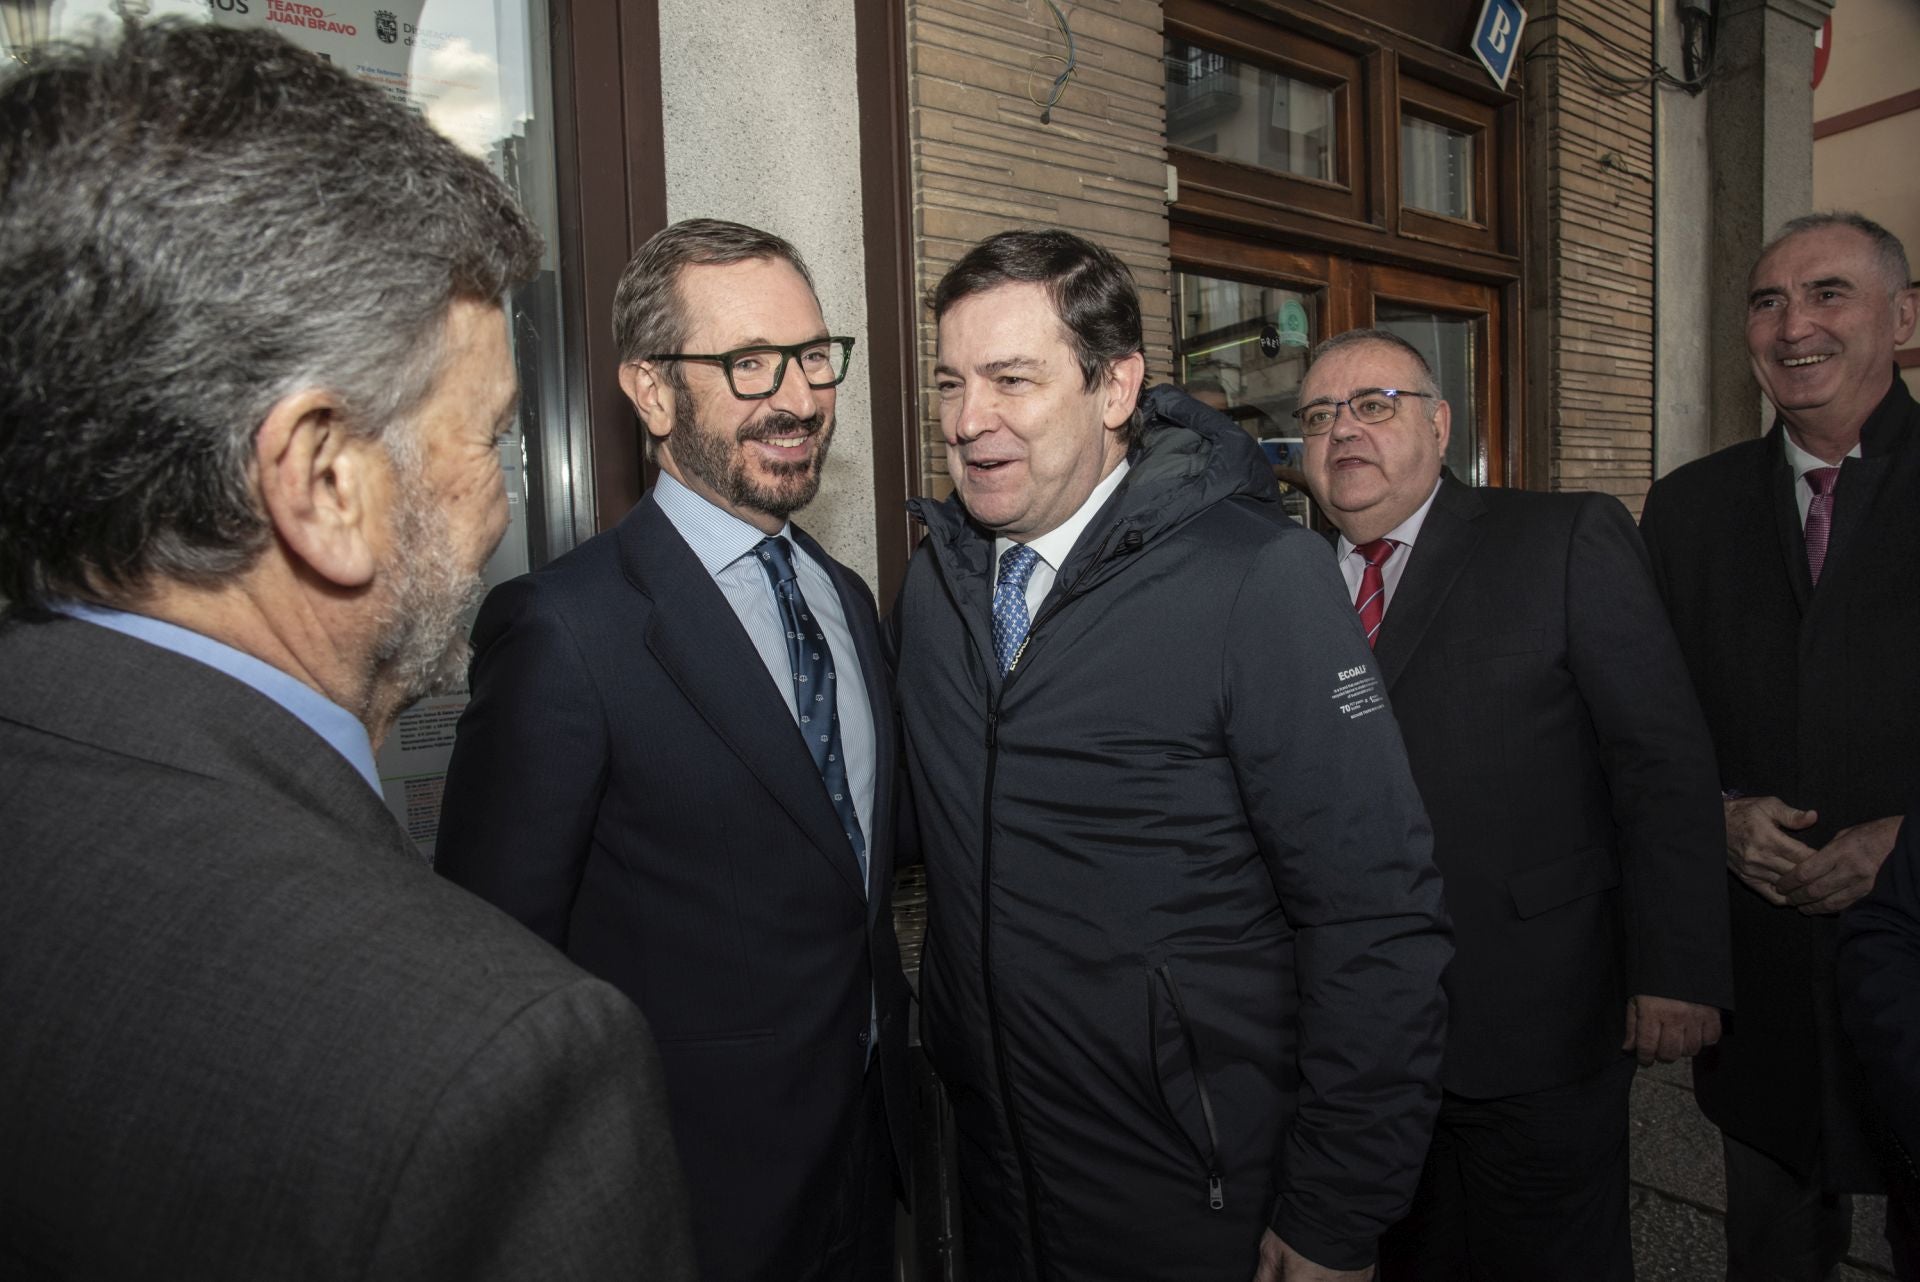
247,1034
1564,764
1813,696
629,782
1879,974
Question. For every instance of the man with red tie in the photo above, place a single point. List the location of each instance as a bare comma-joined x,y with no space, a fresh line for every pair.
1789,564
1568,774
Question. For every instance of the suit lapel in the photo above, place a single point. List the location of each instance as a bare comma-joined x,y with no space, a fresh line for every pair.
1860,483
697,639
1446,542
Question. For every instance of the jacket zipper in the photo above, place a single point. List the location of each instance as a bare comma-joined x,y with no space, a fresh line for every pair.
1027,1178
1021,1155
1216,1196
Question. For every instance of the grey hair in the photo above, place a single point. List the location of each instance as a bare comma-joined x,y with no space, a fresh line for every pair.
1354,337
195,223
1890,256
650,316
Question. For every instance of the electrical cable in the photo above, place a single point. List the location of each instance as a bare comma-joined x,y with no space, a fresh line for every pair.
1071,61
1614,83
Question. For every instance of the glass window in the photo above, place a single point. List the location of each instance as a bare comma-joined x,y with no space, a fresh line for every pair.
1239,111
1436,168
1243,349
1451,346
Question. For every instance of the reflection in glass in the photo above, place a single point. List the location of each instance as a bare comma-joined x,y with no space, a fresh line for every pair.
1451,346
1243,349
1239,111
1436,168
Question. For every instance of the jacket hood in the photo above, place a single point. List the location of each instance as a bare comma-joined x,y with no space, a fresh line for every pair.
1190,457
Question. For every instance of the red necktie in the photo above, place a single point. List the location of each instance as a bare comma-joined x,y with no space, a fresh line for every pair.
1821,481
1370,602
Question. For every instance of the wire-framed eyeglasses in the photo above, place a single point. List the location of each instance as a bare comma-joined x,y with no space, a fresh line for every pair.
1369,405
754,373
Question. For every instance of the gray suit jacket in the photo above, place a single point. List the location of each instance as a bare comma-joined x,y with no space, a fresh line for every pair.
248,1034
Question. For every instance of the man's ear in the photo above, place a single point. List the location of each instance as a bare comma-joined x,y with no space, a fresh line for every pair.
325,491
1442,426
1905,306
646,386
1124,377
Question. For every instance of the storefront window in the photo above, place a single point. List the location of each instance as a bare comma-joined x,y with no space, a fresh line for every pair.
1449,344
1243,349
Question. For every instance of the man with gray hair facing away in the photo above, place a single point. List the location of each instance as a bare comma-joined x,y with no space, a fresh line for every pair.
247,483
1789,564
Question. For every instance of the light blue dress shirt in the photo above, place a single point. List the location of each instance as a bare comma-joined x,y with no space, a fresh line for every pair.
724,544
340,728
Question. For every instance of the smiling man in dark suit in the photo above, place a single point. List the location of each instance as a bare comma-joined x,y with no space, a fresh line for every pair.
247,484
1789,564
678,766
1565,766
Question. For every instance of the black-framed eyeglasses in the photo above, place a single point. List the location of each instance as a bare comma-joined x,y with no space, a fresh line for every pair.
1369,405
754,373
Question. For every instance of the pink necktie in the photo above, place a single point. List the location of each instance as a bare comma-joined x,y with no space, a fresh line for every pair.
1820,516
1371,600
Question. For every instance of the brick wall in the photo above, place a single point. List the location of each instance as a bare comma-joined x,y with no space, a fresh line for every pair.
1589,175
983,162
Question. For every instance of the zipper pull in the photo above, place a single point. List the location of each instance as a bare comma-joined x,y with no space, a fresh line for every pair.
993,720
1215,1198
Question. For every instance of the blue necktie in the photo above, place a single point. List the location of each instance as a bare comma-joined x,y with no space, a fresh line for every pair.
813,679
1010,604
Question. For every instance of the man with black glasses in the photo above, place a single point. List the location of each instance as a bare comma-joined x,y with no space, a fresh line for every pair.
1566,769
678,768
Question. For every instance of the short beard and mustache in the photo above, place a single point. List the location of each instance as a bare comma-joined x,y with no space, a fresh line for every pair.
720,465
420,639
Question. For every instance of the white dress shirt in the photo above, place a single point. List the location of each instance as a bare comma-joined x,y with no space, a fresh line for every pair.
1353,565
1054,546
1802,462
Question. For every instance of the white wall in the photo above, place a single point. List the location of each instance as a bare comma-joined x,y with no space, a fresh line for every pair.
738,82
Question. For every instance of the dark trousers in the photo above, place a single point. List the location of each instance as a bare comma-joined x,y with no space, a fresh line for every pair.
860,1242
1523,1188
1783,1227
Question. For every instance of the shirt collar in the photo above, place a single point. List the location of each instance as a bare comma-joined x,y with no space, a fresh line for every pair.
718,537
1405,532
1802,462
1054,546
333,723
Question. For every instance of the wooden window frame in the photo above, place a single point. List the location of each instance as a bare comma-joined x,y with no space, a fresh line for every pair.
1300,58
1477,120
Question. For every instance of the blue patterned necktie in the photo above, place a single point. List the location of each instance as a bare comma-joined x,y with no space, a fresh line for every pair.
813,682
1010,604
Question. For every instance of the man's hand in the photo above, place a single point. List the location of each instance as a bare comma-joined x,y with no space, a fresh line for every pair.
1665,1029
1842,870
1281,1263
1759,851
